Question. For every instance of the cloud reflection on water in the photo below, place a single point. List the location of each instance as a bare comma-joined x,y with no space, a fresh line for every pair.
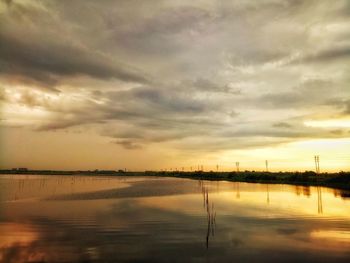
157,227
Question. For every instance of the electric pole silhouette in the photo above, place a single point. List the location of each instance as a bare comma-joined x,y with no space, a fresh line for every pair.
237,167
317,163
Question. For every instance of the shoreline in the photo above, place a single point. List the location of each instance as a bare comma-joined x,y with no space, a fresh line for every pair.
340,180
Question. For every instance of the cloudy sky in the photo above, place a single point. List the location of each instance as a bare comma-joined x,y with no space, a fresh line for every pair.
171,84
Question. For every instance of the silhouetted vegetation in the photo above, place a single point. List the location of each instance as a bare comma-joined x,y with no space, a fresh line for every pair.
339,180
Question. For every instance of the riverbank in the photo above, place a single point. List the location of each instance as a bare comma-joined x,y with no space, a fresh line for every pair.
340,180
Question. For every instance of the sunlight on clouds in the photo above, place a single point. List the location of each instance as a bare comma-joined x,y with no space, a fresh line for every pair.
19,115
335,123
194,80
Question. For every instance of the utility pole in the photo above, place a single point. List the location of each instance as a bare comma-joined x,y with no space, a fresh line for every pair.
237,167
267,165
217,167
317,163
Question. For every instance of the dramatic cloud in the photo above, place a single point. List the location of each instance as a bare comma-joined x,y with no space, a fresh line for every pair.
48,62
207,75
40,54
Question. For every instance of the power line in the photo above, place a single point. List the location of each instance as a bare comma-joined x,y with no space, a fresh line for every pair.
317,163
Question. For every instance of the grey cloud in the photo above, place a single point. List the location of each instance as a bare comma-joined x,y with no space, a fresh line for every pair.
59,124
305,94
217,144
283,100
347,107
35,46
164,99
208,72
144,108
2,94
206,85
341,104
173,21
128,144
48,62
327,55
161,33
278,133
282,125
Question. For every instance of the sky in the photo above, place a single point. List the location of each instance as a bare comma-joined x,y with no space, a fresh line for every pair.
150,85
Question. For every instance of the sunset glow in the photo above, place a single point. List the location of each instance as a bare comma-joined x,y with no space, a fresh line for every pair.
343,123
168,84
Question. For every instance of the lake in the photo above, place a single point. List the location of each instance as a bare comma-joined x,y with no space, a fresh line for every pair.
158,219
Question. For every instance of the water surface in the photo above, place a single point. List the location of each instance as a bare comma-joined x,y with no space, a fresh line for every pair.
150,219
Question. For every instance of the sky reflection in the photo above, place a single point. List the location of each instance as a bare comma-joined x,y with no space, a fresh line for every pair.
130,219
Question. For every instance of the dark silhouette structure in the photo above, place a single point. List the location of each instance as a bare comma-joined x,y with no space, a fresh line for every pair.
317,163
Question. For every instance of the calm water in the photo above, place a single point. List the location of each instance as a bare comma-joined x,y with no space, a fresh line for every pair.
113,219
